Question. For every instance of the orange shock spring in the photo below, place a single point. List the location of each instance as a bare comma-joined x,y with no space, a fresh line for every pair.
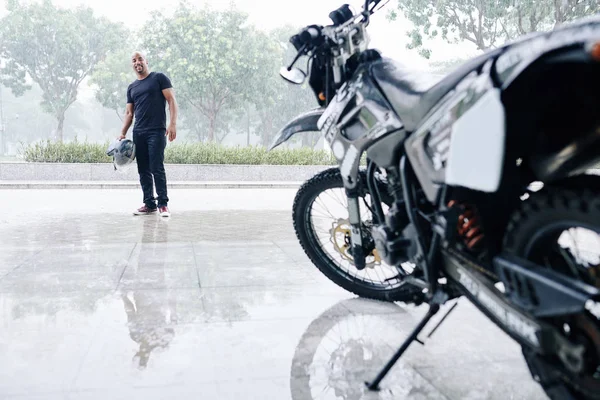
468,225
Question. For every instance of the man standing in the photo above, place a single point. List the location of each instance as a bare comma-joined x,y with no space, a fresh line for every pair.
146,98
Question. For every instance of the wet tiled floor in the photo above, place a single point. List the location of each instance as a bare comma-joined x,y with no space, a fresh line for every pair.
216,302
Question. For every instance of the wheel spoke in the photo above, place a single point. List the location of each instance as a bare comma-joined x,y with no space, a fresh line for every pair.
569,261
329,235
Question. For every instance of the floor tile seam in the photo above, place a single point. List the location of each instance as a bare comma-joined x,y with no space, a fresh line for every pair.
107,290
23,262
279,285
472,363
161,289
209,382
439,390
225,322
125,266
199,282
84,358
126,287
298,263
253,263
256,288
28,393
115,290
294,260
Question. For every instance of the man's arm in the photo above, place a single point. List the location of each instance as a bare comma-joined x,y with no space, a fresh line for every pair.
127,120
173,109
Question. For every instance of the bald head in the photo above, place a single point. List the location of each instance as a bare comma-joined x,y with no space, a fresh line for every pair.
137,54
140,64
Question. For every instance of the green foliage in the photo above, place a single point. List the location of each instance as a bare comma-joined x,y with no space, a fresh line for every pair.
61,152
275,100
112,76
486,23
479,22
210,56
56,48
189,153
212,153
225,71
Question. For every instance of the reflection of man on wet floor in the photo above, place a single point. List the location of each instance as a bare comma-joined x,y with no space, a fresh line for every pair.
150,312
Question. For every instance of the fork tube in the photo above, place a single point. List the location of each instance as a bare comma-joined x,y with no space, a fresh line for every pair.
374,192
413,217
355,231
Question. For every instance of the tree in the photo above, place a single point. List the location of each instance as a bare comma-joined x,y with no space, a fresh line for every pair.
486,23
55,48
210,57
277,101
542,15
111,77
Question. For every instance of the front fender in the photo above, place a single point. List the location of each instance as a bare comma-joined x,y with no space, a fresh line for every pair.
306,122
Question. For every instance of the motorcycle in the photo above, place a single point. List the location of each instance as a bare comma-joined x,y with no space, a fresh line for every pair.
475,185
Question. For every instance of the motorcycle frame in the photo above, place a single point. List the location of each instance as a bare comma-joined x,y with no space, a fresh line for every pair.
387,146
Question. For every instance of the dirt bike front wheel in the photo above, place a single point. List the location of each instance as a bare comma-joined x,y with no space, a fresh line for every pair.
320,216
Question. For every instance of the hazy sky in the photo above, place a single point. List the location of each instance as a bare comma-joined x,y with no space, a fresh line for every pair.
387,36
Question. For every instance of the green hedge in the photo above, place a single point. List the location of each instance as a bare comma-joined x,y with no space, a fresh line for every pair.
188,153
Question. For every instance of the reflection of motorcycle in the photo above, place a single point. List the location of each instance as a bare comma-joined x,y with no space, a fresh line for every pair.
474,186
339,346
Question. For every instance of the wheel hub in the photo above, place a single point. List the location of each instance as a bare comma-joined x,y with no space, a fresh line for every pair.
340,237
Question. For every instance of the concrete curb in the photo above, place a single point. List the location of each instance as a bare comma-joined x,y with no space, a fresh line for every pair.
89,172
132,185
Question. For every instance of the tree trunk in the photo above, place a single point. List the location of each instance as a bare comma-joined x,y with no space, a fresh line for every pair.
315,139
212,120
558,13
306,139
266,134
247,126
198,131
59,129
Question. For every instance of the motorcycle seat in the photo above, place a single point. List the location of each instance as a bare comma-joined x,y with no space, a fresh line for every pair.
412,93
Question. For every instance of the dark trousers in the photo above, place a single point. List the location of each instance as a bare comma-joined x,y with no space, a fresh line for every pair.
150,156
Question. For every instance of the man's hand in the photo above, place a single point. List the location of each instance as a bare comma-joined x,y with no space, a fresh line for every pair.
172,132
122,136
170,97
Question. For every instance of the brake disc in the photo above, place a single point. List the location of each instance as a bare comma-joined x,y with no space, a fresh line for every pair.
340,235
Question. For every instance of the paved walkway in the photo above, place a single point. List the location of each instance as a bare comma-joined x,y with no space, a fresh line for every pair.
217,302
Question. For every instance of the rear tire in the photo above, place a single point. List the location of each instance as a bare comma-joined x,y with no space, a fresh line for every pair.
574,203
303,202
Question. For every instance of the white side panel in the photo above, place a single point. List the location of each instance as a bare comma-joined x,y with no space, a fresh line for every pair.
477,145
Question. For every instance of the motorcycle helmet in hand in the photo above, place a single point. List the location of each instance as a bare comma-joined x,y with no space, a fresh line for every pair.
123,153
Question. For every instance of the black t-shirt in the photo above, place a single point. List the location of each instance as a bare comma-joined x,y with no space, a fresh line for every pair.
149,102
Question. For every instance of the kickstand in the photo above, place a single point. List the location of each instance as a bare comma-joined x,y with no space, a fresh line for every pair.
438,324
434,307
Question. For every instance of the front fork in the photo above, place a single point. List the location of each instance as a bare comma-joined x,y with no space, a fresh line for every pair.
358,251
353,194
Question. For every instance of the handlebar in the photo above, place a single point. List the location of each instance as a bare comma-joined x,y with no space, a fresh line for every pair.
341,15
342,39
307,37
311,33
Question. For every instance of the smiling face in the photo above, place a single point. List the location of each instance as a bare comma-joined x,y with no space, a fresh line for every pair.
140,64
